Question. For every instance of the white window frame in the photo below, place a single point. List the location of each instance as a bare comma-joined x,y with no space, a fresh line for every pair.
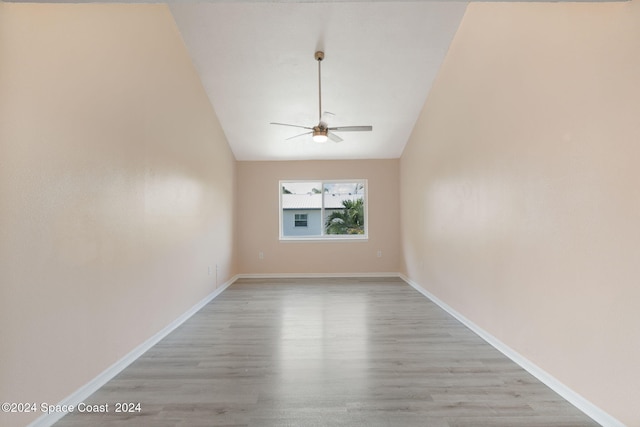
325,237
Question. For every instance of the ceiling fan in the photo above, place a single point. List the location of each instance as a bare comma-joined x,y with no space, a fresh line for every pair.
322,132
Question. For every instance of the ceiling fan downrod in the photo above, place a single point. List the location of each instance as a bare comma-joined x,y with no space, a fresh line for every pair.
319,55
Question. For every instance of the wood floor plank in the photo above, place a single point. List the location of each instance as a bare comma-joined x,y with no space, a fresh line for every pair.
327,352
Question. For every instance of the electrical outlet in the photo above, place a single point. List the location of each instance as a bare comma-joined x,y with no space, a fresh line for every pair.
260,255
209,270
379,254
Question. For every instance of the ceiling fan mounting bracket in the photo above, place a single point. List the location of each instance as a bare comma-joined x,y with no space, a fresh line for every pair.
319,55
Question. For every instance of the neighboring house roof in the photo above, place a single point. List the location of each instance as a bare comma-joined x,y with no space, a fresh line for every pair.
314,201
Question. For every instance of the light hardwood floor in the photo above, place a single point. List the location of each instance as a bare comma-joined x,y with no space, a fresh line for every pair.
327,352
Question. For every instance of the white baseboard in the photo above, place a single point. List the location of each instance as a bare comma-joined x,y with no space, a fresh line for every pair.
588,408
92,386
312,275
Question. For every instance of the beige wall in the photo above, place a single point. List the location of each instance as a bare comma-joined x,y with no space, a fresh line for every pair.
257,219
116,191
518,192
520,204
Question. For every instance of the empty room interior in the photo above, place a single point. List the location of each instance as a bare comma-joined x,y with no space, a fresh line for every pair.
177,177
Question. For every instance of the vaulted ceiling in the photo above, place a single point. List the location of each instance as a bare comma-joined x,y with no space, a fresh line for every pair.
256,62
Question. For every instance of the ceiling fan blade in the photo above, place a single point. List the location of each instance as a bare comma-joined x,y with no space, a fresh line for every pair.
295,136
335,138
293,126
352,128
326,116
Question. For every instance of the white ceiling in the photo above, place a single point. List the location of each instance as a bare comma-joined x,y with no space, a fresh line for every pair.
256,62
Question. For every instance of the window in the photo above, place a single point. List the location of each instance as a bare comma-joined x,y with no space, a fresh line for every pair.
313,210
300,220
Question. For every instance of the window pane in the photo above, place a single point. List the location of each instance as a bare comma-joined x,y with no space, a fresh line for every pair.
344,208
301,208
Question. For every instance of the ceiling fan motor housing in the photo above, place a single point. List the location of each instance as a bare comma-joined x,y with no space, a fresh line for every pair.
320,130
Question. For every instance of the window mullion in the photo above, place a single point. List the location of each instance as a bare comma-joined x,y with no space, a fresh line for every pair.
322,233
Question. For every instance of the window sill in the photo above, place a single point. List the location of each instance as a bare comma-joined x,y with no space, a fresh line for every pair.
316,239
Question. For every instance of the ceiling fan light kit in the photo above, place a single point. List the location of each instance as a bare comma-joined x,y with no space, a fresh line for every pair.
321,133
